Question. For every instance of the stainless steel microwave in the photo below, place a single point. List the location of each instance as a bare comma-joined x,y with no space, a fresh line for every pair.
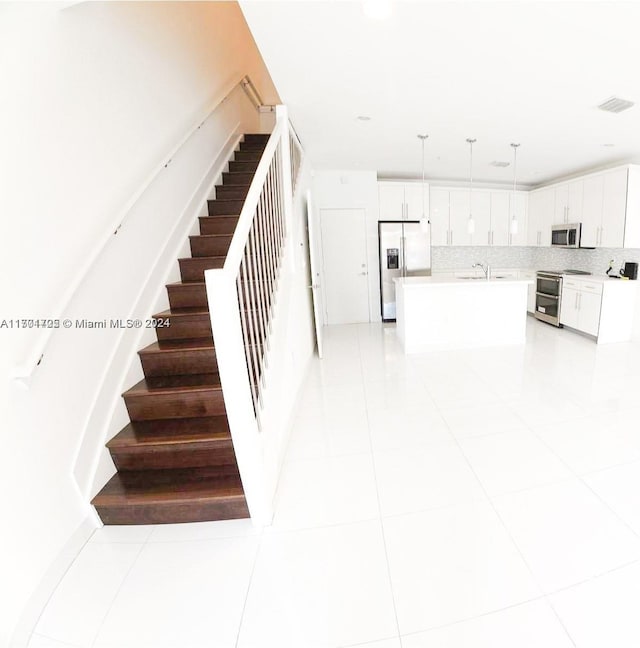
566,236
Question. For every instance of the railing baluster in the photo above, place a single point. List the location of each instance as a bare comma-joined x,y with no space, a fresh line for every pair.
269,227
248,334
259,269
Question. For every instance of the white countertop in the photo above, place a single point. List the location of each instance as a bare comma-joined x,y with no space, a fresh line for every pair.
598,278
440,280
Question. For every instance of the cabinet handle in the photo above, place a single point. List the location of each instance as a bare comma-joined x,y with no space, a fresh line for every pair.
601,234
488,238
576,306
451,236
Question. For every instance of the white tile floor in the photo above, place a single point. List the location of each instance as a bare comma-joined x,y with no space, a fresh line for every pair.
477,499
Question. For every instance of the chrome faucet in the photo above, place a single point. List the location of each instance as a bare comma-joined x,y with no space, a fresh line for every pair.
485,270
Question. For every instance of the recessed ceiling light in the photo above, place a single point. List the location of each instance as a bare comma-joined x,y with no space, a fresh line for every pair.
608,145
615,105
377,9
498,163
363,118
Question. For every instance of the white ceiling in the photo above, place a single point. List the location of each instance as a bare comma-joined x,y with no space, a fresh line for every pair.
502,72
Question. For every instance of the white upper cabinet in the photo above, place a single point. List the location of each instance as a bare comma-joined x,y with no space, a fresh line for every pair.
508,218
391,200
518,211
561,204
402,201
413,194
574,210
593,191
491,212
439,215
603,209
459,217
568,203
499,218
614,210
481,212
541,216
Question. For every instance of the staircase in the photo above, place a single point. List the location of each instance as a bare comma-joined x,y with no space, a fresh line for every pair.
175,459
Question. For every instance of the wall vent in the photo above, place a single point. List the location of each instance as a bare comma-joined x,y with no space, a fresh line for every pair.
498,163
615,105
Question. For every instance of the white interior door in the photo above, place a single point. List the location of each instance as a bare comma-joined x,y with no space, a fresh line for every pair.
344,263
314,265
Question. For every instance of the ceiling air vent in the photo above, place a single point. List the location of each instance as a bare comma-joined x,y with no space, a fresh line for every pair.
615,105
498,163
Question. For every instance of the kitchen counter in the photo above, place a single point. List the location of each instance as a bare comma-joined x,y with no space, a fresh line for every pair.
444,312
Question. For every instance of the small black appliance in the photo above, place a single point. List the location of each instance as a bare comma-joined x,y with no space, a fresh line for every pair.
630,270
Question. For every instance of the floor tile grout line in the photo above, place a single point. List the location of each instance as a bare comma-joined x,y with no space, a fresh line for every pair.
579,477
382,532
476,616
64,644
55,589
519,550
246,596
117,593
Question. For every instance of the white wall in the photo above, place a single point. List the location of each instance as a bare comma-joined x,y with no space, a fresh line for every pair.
348,190
95,95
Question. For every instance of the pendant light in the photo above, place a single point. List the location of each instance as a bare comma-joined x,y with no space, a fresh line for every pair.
471,225
513,228
424,219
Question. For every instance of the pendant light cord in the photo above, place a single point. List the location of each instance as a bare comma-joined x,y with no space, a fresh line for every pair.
423,138
515,172
471,143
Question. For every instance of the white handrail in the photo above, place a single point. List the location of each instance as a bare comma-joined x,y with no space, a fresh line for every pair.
24,371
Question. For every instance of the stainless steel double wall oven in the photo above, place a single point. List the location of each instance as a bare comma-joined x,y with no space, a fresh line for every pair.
549,294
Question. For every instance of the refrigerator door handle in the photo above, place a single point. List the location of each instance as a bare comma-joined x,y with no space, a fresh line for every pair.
403,267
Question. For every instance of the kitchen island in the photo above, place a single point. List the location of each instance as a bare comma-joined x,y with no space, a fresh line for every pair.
439,313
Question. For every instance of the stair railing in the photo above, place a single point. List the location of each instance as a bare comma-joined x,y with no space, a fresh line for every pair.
243,298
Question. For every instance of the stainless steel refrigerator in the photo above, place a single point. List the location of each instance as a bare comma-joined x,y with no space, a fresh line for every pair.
405,251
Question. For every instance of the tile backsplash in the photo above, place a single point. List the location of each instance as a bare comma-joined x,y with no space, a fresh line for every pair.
536,258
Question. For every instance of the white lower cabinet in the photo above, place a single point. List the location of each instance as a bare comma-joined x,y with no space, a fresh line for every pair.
531,294
581,305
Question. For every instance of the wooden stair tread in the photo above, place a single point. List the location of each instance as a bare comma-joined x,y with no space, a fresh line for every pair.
171,485
211,236
202,259
178,345
184,311
171,432
174,384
